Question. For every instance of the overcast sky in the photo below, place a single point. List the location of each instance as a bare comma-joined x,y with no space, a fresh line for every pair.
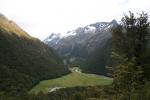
41,17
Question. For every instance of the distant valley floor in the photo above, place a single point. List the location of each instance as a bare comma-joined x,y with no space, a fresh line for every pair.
76,78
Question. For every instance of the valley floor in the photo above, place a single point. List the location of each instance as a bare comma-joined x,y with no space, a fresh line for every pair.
74,79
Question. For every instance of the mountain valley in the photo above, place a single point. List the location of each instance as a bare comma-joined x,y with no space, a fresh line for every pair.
87,47
100,61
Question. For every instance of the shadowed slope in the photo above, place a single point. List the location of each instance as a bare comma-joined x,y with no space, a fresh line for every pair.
25,57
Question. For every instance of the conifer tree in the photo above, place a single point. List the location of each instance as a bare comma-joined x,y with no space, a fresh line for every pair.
129,44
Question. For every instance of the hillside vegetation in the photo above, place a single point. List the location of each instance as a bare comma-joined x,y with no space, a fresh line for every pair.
24,60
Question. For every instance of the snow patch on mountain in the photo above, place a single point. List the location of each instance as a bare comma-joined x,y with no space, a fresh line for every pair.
90,29
70,33
101,26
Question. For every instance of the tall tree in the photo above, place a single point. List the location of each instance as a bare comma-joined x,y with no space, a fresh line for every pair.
129,45
129,38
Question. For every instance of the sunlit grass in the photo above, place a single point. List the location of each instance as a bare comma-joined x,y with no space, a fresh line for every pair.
71,80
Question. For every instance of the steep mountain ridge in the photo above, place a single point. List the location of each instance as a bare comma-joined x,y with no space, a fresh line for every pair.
82,44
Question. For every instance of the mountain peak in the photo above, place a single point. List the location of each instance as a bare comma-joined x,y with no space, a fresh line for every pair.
91,29
114,22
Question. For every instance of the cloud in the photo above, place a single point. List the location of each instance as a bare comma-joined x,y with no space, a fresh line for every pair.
122,2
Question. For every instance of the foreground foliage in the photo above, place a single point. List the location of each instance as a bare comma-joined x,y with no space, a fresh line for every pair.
129,54
81,93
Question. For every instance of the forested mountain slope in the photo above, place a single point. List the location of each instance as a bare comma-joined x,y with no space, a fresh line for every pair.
24,60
